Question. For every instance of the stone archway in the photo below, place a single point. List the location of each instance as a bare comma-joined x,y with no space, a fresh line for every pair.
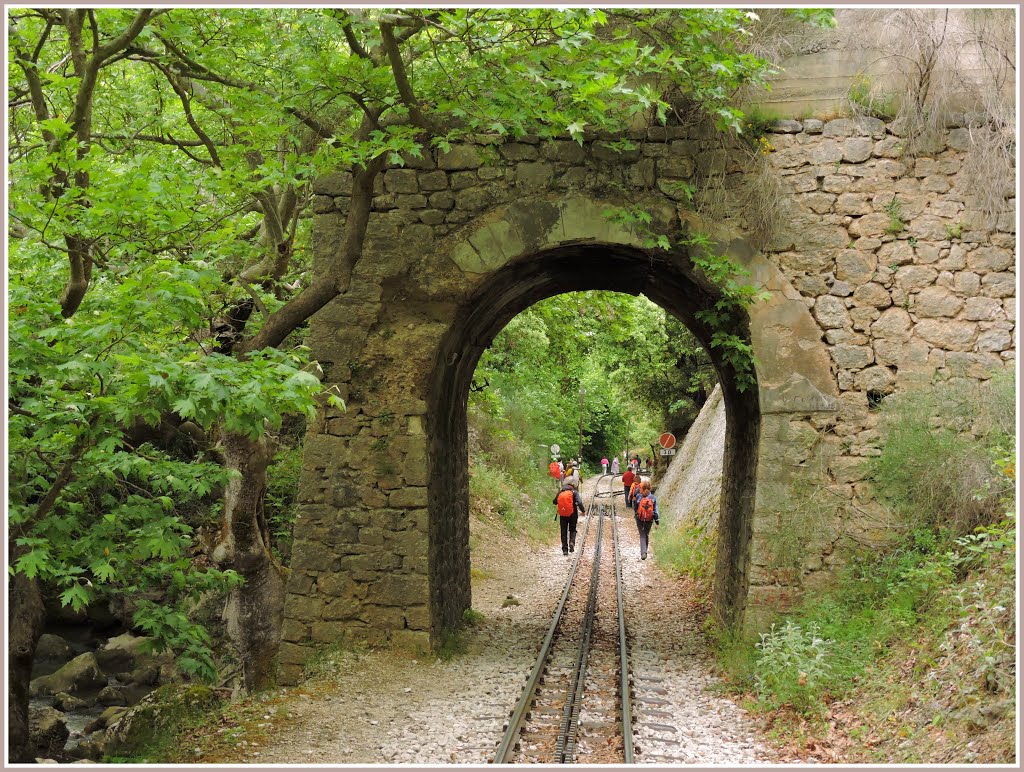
382,542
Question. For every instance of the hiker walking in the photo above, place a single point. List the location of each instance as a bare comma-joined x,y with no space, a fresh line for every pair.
615,465
555,472
627,481
604,466
646,514
572,474
569,506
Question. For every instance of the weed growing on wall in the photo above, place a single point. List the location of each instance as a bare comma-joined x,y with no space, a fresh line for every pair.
936,463
688,551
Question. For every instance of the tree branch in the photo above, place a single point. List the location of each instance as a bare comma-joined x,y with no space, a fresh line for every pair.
401,78
353,42
186,104
126,37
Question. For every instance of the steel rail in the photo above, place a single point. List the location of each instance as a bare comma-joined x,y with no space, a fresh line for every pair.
624,691
518,717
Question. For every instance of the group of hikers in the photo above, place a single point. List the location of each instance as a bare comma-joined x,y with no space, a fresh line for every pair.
569,503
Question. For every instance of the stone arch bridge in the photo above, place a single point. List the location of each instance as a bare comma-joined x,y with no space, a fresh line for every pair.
461,242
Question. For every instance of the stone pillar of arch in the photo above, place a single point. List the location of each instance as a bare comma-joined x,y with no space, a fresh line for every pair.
381,548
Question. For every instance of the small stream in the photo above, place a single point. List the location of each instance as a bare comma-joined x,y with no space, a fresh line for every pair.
82,638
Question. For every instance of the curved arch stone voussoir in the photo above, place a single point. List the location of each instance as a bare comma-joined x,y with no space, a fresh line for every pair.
524,228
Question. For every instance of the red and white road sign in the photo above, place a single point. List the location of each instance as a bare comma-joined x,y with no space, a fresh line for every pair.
667,440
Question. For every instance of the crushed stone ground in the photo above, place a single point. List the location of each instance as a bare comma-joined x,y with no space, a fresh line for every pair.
380,707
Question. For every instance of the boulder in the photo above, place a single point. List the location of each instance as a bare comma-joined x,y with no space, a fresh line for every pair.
90,749
66,702
53,647
119,654
80,674
47,732
105,719
161,711
146,675
111,695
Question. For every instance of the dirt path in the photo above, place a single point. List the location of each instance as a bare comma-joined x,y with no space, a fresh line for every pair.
383,707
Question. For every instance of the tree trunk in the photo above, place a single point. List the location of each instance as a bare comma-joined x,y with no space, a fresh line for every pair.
255,610
26,618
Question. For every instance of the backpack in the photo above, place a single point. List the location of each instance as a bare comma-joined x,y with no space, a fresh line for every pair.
645,509
566,503
553,470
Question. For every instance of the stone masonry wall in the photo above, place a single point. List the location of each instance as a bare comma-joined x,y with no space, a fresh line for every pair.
935,299
907,279
904,293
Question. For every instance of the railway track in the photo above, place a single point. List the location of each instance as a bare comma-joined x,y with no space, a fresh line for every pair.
576,704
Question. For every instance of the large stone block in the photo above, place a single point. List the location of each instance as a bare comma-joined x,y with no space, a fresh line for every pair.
414,641
564,152
949,335
395,590
994,340
989,259
857,149
893,324
408,497
534,176
401,181
872,294
999,285
852,357
335,184
460,157
302,608
855,266
982,309
341,608
831,312
877,378
294,655
936,301
869,225
915,277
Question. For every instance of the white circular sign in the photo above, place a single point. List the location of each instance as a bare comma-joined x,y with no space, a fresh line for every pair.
555,449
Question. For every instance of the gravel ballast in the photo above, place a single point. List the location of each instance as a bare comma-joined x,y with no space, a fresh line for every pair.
387,707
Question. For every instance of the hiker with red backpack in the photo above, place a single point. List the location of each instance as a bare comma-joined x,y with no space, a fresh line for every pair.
646,515
569,505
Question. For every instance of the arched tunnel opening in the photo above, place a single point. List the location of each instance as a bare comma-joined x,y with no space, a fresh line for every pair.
505,294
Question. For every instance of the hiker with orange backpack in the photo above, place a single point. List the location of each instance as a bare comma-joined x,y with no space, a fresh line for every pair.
634,492
569,505
646,515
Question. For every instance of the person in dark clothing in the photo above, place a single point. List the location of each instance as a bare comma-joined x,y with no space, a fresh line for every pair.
646,514
570,507
627,480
